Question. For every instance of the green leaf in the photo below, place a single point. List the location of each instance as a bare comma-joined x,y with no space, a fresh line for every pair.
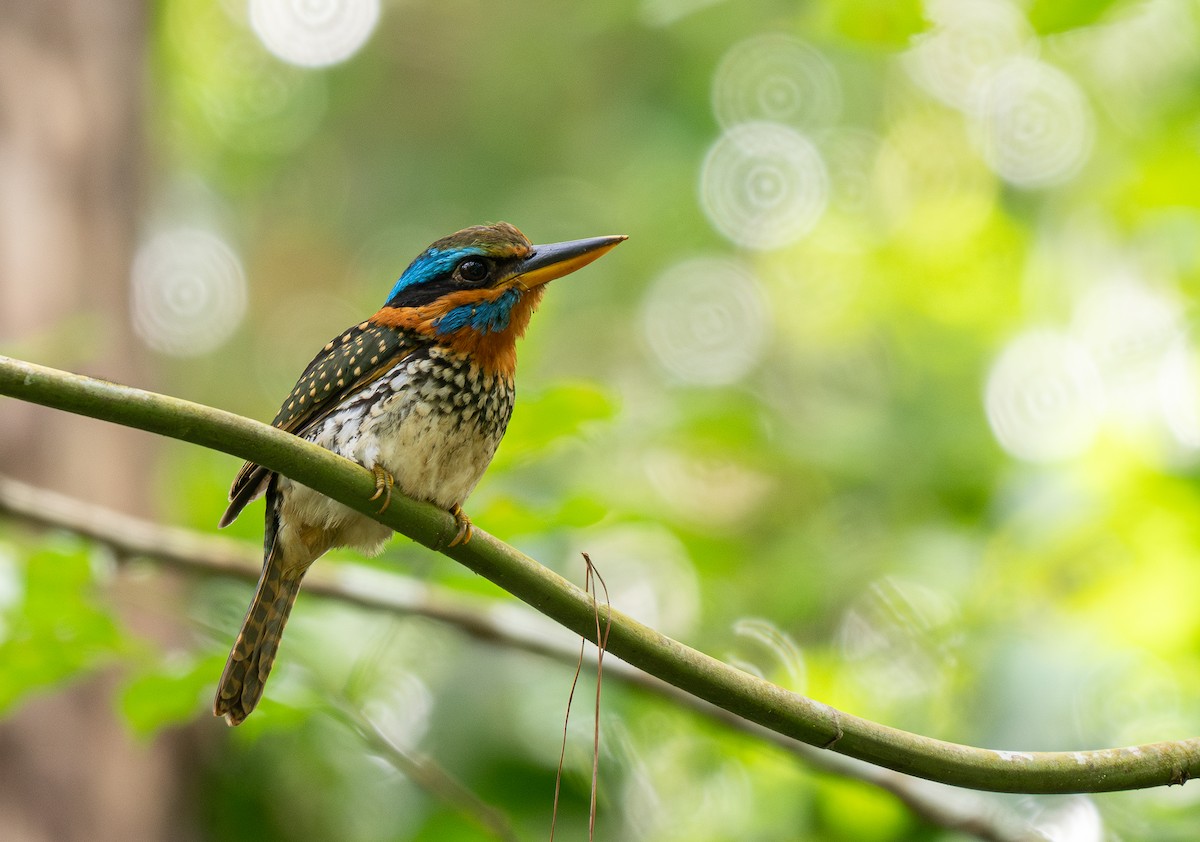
170,695
880,23
53,631
853,810
556,413
1049,17
509,515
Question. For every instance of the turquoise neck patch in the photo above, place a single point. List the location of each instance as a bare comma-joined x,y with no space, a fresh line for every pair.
485,317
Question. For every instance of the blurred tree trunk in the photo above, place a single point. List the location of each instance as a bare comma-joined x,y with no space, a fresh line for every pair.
72,74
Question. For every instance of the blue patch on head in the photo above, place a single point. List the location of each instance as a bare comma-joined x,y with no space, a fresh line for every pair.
484,317
433,263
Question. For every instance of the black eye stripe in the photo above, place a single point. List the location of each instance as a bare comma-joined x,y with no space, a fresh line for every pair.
451,280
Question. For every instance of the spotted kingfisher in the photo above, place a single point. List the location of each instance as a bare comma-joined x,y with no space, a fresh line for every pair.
420,393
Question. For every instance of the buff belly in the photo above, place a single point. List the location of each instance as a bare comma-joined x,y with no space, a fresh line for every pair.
433,423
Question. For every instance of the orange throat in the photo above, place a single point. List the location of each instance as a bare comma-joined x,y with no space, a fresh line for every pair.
494,352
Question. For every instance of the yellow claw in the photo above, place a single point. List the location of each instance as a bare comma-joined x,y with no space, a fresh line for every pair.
383,487
464,526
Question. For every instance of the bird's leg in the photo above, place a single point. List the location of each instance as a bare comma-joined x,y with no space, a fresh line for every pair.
383,487
464,526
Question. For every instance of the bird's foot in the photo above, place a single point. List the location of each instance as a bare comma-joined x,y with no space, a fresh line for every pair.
464,526
384,482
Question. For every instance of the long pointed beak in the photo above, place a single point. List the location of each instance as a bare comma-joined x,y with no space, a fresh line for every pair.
557,259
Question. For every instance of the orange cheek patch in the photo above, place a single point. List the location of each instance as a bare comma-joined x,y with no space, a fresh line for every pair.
422,318
493,352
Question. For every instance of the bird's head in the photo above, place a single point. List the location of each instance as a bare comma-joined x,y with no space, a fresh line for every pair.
476,289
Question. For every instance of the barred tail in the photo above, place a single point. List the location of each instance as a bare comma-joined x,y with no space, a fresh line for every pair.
249,663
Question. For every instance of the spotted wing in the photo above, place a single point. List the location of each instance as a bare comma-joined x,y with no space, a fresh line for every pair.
343,367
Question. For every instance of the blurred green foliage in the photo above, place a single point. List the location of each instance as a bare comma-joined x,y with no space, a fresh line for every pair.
1012,567
54,624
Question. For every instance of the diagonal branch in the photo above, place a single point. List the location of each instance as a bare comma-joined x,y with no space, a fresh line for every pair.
486,620
747,696
428,775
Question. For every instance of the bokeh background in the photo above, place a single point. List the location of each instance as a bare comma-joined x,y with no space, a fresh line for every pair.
891,396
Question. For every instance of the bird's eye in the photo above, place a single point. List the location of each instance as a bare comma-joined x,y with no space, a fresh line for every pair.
473,270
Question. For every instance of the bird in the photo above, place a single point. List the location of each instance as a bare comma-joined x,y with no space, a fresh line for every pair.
420,393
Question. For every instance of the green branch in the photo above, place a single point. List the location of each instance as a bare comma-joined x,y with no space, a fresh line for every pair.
184,550
747,696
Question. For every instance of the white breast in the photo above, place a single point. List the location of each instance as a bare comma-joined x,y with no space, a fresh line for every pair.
421,423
